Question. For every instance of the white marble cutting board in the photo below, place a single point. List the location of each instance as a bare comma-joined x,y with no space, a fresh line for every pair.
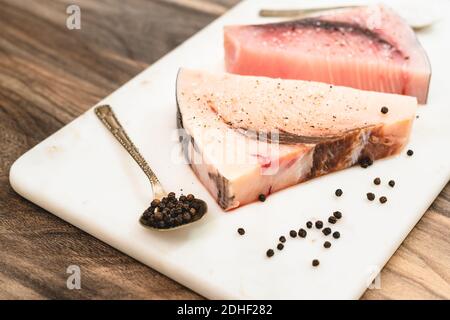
82,175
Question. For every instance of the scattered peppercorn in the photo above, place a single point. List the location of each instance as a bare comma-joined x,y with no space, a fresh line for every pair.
293,233
410,152
383,199
262,197
365,162
332,219
337,214
377,181
326,231
336,235
384,110
370,196
391,183
282,239
241,231
302,233
280,246
327,244
315,263
319,224
270,253
338,192
309,224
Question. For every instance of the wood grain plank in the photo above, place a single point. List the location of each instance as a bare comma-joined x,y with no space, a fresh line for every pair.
420,267
49,75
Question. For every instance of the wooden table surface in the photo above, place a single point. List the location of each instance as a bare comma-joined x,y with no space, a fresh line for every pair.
49,75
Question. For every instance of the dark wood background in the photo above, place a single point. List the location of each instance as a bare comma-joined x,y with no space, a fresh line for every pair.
49,75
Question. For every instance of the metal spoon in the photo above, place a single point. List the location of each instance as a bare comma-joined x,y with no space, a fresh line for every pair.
109,119
289,13
417,22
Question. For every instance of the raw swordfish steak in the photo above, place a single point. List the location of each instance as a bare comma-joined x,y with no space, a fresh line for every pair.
369,48
246,136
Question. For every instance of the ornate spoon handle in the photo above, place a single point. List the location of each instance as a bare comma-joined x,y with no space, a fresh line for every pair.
109,119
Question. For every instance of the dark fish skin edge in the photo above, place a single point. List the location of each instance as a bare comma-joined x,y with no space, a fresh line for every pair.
341,148
331,26
285,137
222,184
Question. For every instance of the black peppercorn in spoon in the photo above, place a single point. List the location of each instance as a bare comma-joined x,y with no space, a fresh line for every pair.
166,212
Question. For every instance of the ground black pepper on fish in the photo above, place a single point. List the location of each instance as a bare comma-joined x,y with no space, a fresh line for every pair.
170,212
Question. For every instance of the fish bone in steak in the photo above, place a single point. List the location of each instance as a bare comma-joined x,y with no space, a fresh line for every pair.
368,48
246,135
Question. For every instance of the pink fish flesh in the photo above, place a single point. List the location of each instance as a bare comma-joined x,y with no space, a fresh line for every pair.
368,48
